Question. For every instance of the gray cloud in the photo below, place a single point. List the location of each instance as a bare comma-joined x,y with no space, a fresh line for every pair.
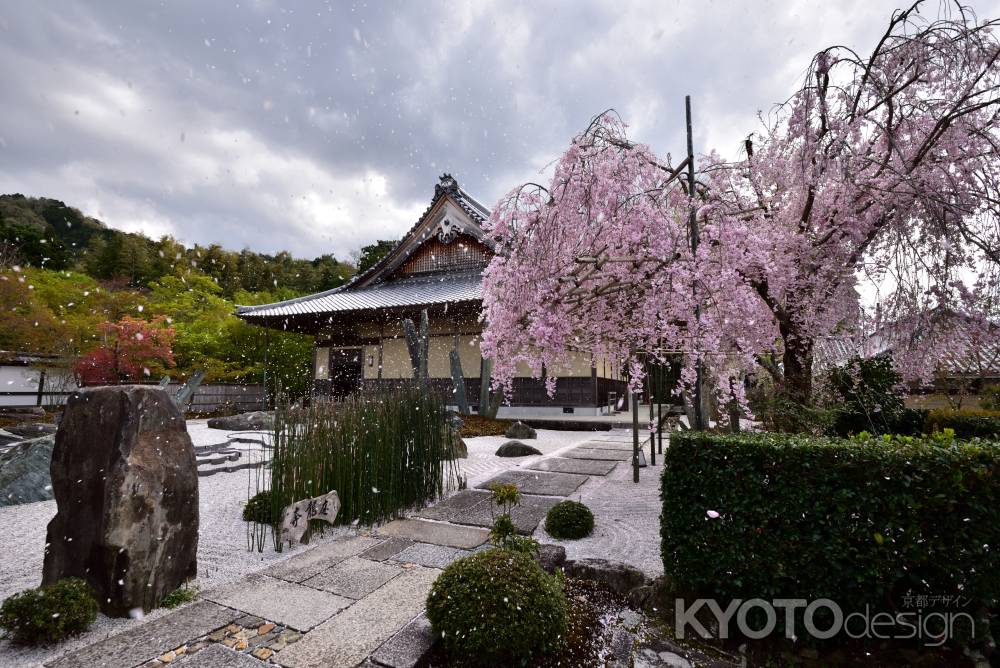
318,127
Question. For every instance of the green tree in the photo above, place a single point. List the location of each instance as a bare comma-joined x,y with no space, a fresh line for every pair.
372,253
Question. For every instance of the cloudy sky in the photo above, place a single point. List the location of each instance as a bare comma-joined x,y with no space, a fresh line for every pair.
318,127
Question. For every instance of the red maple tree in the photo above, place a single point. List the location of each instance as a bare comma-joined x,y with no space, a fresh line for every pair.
130,346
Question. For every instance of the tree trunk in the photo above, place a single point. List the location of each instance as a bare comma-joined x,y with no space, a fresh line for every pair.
797,362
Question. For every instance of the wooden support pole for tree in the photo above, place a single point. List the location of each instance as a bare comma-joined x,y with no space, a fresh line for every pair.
635,436
699,419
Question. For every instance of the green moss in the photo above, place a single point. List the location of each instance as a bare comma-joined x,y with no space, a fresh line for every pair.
180,596
49,614
497,606
569,519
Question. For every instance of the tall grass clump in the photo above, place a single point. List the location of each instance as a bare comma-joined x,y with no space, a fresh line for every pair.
382,452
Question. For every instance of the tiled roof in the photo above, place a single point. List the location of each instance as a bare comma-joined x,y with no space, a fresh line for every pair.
411,291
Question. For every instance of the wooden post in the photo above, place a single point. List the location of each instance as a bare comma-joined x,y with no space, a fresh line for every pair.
41,387
693,224
635,436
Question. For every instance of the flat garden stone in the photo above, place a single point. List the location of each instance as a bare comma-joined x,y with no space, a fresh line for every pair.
603,455
354,577
580,466
349,638
218,656
389,547
408,647
437,533
610,445
455,505
308,564
434,556
151,639
538,482
526,516
286,603
517,449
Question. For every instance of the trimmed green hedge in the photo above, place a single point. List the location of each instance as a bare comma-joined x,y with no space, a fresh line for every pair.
965,422
51,613
859,522
569,520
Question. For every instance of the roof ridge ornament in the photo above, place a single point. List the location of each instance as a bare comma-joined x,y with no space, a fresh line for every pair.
446,184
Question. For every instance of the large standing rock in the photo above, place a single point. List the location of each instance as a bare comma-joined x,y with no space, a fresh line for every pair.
520,430
253,421
126,486
24,472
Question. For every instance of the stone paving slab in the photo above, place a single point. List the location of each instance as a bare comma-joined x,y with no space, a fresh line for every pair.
218,656
526,515
354,577
581,466
434,556
604,455
315,561
538,482
349,638
455,505
408,647
422,531
275,600
609,445
386,549
151,639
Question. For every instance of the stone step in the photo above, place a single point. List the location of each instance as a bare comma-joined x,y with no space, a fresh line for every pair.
350,638
580,466
475,508
437,533
287,603
602,455
151,639
407,648
538,482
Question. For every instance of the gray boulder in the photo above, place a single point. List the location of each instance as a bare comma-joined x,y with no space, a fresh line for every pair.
24,472
520,430
618,577
516,449
253,421
126,488
31,429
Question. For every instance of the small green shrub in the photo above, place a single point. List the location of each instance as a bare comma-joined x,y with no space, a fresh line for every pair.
861,522
497,606
261,508
867,396
180,596
989,399
569,519
967,422
503,533
51,613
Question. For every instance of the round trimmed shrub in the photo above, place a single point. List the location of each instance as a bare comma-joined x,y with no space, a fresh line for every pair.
497,605
569,519
260,509
50,613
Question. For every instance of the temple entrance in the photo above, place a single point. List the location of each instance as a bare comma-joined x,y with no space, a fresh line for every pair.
346,366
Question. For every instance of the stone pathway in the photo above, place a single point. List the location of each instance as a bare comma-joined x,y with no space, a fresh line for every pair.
359,599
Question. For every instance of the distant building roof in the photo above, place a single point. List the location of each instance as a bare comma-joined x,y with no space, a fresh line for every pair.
409,275
410,291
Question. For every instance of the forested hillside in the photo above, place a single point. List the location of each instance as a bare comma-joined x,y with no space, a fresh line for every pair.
63,274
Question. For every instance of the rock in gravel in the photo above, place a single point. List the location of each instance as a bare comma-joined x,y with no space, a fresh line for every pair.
32,429
516,449
24,472
520,430
551,557
618,577
253,421
126,488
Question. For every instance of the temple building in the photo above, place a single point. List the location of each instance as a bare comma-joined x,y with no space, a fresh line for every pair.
437,266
